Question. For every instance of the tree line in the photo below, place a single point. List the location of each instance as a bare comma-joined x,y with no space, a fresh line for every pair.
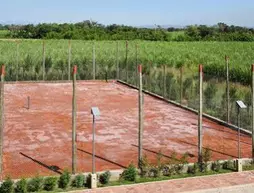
219,32
90,30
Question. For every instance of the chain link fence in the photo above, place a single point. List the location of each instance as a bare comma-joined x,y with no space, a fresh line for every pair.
220,102
181,85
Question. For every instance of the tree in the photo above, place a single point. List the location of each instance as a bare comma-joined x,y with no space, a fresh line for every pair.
193,32
222,27
205,31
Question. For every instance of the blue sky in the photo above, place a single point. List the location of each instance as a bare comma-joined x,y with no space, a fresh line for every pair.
129,12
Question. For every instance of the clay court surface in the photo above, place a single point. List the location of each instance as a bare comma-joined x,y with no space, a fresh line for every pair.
38,140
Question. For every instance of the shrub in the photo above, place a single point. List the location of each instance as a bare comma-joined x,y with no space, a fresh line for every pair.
88,181
178,167
130,173
50,183
159,160
206,157
154,172
216,166
173,157
79,181
7,186
229,165
21,186
144,166
35,184
184,158
104,177
168,170
193,169
64,180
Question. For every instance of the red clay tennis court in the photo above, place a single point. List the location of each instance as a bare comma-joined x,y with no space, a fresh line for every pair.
38,140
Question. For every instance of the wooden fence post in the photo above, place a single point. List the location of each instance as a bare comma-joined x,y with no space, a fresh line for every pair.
200,114
2,119
140,110
74,111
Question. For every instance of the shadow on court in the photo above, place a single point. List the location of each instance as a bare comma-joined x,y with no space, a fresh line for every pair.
51,168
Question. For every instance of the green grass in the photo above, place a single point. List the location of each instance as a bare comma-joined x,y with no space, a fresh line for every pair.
170,53
175,34
4,33
163,178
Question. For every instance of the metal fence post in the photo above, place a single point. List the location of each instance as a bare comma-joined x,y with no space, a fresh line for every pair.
94,62
43,60
181,85
126,62
136,64
17,61
74,109
149,77
200,114
227,88
164,81
69,60
117,60
93,161
140,135
239,132
2,118
28,102
252,111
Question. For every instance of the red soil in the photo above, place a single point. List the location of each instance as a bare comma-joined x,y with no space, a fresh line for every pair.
38,139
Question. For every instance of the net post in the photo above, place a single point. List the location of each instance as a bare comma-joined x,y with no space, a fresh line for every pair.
28,102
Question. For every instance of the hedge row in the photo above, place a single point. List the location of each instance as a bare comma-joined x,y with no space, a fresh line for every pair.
37,184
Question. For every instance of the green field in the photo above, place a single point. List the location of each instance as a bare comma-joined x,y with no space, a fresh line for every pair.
28,54
3,33
176,34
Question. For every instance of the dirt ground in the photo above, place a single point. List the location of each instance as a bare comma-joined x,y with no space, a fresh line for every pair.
38,140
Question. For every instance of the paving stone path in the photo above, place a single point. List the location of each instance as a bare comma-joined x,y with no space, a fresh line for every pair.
233,182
